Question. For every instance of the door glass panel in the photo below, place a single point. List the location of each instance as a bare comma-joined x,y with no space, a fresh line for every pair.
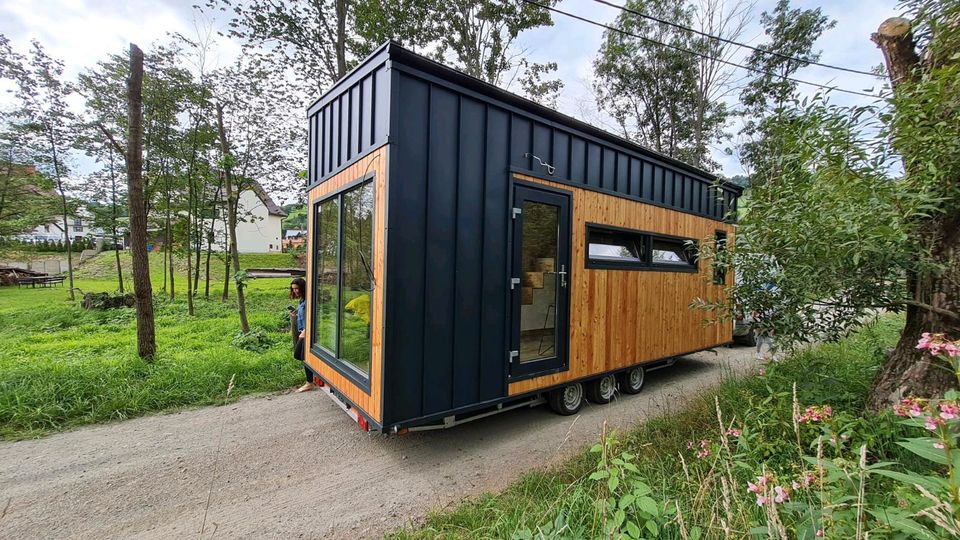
538,295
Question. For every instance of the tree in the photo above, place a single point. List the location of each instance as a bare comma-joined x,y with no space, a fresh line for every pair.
232,203
834,231
659,94
44,117
27,199
792,34
142,289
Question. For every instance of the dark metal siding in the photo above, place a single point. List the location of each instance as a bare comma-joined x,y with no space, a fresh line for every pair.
348,122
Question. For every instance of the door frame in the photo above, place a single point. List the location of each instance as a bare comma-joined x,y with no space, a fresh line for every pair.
525,190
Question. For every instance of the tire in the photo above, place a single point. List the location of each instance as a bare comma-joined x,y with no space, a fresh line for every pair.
632,380
567,400
602,390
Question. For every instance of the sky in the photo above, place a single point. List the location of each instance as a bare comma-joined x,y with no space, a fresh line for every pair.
81,32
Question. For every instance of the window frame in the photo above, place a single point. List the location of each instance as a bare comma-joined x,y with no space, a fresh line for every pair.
646,263
348,370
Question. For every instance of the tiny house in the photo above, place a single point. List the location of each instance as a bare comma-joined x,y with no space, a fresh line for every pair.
471,251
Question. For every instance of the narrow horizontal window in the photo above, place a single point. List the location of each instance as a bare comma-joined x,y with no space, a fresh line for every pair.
613,248
625,249
673,252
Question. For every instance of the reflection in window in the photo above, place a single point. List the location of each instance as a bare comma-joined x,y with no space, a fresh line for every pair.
325,275
343,277
671,252
615,246
357,277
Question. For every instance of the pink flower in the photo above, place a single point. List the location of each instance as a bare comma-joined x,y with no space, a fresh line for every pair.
704,449
734,432
690,445
952,349
924,342
949,410
763,372
938,445
782,495
820,533
815,414
753,488
761,500
933,423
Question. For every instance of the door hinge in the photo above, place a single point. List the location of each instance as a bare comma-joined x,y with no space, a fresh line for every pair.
513,354
514,281
517,212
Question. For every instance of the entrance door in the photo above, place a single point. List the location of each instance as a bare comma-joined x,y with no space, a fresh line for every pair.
540,281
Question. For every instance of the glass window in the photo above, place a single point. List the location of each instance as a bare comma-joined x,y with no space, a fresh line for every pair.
343,277
672,252
607,246
719,263
357,277
326,275
538,304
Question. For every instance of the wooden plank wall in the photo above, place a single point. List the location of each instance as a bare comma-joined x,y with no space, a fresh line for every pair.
620,318
375,162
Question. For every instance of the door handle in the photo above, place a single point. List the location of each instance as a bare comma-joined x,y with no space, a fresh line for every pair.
563,275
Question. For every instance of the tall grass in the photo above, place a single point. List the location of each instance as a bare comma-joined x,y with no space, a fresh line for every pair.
687,496
62,366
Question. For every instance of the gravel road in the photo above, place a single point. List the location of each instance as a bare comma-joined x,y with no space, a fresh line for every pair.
295,466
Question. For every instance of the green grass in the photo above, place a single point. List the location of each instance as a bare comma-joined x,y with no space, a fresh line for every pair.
62,366
105,265
838,374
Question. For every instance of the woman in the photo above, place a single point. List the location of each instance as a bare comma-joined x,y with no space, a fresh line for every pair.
298,290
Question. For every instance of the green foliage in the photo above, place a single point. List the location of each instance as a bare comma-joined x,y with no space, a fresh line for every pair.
62,366
659,95
696,474
256,340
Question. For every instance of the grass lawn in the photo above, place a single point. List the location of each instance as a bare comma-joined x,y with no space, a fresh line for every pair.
62,366
566,502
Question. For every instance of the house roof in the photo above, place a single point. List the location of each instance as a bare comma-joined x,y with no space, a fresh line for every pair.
264,197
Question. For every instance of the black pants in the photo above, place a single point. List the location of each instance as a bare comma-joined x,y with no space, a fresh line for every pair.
298,354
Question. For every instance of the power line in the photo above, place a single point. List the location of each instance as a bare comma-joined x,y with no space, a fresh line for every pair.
708,57
737,43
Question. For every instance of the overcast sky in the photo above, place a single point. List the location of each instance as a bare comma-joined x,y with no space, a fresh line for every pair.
81,32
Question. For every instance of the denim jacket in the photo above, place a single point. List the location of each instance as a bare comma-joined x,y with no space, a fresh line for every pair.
302,315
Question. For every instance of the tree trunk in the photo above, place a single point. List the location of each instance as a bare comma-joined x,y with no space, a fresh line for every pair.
63,199
226,257
910,372
169,241
113,219
146,338
232,203
206,270
341,45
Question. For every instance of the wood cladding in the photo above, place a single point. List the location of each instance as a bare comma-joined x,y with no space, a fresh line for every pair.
620,318
375,162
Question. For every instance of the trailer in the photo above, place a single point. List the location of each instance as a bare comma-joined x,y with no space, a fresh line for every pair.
471,251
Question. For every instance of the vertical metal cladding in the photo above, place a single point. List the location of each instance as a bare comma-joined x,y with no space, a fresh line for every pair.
346,123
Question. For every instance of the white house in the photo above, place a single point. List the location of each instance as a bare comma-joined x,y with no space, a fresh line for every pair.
258,222
79,225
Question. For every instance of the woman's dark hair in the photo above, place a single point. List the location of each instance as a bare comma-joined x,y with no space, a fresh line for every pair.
302,284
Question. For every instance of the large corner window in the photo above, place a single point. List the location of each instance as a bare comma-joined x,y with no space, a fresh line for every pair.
615,248
343,278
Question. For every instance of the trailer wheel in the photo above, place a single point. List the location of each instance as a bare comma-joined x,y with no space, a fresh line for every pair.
633,380
567,400
601,390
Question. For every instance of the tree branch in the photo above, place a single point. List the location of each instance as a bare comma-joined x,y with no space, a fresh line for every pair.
113,142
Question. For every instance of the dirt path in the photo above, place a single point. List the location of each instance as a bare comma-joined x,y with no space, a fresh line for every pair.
294,465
